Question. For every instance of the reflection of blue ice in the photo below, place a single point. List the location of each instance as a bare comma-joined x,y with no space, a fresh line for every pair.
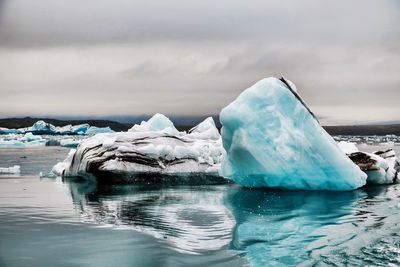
275,227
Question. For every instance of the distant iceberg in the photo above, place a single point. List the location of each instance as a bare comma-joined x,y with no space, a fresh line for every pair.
272,139
150,152
21,140
16,169
92,130
44,128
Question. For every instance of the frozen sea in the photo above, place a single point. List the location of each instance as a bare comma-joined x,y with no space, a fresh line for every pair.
51,222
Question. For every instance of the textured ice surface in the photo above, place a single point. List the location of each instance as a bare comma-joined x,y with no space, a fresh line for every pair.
95,130
59,168
44,128
21,140
69,142
157,123
348,147
381,167
152,148
273,140
10,170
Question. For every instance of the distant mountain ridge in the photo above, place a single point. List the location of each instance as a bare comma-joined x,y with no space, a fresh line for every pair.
364,129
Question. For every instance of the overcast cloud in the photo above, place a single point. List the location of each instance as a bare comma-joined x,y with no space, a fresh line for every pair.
127,57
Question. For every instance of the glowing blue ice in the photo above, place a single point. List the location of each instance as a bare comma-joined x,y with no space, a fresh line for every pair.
273,140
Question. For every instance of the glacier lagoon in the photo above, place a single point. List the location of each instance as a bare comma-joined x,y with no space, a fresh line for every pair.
55,222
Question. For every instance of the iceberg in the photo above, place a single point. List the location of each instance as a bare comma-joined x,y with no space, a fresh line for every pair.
272,139
347,147
44,128
152,152
382,167
18,140
60,167
16,169
69,142
157,123
8,131
95,130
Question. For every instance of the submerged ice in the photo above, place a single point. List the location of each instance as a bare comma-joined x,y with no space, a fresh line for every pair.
273,140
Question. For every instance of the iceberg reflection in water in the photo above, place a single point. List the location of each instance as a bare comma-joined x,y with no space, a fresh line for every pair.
269,228
280,228
189,219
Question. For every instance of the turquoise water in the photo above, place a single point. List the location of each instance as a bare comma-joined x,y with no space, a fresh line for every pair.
51,222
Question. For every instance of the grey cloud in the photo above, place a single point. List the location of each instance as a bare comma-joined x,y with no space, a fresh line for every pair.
194,57
58,22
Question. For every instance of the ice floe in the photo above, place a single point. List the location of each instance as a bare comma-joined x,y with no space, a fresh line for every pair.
21,140
44,128
381,167
16,169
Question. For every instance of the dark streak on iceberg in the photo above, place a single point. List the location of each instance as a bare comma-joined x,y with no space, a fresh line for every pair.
152,152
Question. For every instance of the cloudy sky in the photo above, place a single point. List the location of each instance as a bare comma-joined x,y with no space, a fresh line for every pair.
130,57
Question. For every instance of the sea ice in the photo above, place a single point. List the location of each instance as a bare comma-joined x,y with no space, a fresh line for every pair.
382,167
273,140
59,168
44,128
148,152
41,127
95,130
348,147
19,140
11,170
69,142
157,123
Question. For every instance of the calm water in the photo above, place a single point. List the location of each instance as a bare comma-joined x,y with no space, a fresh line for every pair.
50,222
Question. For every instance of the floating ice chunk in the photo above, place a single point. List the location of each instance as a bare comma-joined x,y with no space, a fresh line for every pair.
381,167
8,131
347,147
41,127
147,155
11,170
273,140
18,140
95,130
157,123
44,128
80,129
59,168
390,156
69,142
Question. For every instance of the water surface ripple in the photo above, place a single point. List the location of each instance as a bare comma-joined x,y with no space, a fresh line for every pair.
51,222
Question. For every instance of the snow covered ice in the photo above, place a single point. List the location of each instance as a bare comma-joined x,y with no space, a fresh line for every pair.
60,167
10,170
382,167
44,128
273,140
21,140
149,151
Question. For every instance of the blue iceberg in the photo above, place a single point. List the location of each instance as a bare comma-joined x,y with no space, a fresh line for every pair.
273,140
44,128
95,130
